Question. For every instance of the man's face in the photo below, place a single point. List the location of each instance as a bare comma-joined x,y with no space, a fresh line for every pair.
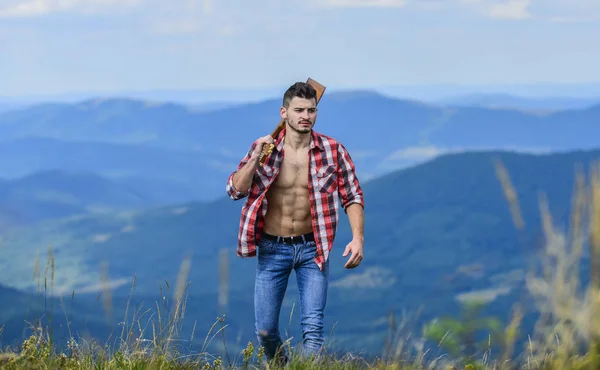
301,114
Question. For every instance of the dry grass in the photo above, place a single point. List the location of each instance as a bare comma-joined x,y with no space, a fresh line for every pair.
567,335
567,332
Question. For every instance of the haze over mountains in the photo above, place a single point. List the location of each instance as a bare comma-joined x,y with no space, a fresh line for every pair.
431,93
142,143
141,185
508,101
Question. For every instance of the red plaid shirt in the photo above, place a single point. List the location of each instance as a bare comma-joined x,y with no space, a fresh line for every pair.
332,179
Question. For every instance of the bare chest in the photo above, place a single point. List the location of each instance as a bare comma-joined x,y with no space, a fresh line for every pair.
294,171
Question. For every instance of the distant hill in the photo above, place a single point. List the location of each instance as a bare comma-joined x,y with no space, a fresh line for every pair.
162,175
405,122
442,229
184,153
56,194
507,101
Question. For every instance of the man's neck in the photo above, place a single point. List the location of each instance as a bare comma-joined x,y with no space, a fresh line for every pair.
297,141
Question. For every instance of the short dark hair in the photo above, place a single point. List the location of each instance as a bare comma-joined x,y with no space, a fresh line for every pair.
300,90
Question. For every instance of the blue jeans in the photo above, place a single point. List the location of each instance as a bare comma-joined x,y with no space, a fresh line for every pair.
276,260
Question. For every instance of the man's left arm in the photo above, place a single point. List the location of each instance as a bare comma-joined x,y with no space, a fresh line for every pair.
353,203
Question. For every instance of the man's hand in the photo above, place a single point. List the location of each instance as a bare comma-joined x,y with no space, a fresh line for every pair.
259,145
355,248
242,180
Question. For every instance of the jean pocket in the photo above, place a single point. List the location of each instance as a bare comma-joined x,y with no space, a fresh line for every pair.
266,246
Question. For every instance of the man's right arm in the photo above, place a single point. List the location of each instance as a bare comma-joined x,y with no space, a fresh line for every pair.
240,180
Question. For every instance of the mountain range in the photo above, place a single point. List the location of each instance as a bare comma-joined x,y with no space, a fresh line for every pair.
138,187
58,193
509,101
141,143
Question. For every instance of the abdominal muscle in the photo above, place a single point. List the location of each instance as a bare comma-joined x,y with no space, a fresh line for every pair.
288,212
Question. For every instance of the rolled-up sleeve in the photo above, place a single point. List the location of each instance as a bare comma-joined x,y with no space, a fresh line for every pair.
231,190
348,185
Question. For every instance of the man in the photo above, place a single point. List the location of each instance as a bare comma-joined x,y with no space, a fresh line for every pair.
290,217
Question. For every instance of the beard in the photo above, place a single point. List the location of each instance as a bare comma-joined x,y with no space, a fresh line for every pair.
301,129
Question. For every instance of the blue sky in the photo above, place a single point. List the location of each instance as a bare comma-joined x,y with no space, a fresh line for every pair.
61,46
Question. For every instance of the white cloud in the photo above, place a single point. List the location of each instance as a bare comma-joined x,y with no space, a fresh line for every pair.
507,9
178,26
33,8
187,18
366,3
511,9
550,10
207,7
30,8
567,10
